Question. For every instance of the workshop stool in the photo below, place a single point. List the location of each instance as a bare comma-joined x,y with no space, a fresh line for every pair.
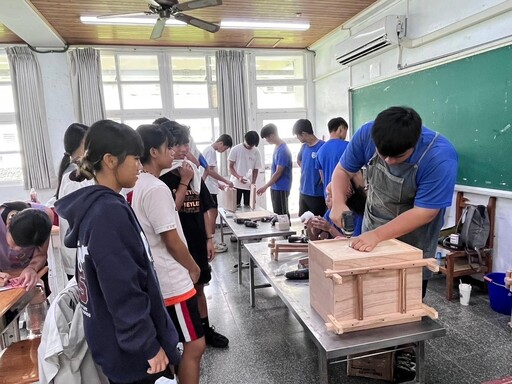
18,362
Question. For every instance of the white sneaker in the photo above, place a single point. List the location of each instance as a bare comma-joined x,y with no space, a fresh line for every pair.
221,248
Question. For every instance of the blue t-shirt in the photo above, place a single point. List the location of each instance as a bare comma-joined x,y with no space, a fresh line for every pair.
437,171
282,157
328,157
310,183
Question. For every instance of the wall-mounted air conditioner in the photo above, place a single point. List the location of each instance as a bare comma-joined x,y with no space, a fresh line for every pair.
385,32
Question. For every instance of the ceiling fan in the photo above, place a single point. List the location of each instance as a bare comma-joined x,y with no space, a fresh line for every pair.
167,8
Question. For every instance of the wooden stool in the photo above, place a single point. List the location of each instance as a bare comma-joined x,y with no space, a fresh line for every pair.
18,362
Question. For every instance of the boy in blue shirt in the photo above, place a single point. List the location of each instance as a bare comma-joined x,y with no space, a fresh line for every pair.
329,155
411,173
280,182
311,188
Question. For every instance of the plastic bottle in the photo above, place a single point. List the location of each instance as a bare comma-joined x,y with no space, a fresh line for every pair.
438,258
36,312
33,195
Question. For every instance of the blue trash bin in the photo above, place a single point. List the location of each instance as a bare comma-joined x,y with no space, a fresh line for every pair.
500,296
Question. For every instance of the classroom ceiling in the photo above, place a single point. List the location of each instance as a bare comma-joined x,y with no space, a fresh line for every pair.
64,17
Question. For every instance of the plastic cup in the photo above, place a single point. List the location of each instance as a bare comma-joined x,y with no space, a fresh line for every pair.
464,293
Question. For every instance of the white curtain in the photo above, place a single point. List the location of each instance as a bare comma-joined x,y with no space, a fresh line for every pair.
232,91
31,120
87,85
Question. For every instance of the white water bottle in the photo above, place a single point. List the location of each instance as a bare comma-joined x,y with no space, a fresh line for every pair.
33,195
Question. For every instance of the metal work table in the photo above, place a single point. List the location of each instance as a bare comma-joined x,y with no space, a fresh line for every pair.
242,233
331,347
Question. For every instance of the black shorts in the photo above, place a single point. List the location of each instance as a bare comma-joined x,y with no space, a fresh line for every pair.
314,204
280,202
214,197
187,320
206,273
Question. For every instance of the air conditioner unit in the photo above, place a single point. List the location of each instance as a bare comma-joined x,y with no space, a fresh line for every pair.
387,31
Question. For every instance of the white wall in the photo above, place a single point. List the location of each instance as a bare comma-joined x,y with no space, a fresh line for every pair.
437,28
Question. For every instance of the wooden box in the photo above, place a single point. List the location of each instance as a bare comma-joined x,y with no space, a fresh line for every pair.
353,290
379,366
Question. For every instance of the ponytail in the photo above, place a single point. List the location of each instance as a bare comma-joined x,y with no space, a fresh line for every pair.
73,138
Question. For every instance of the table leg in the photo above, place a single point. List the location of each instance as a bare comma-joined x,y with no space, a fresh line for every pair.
239,248
420,362
251,281
221,229
323,367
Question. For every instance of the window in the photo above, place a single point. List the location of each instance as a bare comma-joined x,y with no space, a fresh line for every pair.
140,87
284,129
192,82
280,82
131,86
10,153
280,93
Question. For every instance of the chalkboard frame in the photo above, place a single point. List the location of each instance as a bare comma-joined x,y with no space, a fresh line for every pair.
466,100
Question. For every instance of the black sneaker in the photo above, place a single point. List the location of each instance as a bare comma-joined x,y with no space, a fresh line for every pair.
215,339
233,239
405,366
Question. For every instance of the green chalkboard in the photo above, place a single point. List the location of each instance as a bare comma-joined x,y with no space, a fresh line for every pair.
469,101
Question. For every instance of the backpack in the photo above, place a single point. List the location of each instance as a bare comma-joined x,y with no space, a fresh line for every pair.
473,228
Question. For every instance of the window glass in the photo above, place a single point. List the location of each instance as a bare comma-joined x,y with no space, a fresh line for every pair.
10,158
213,91
4,69
111,97
108,67
189,69
135,123
201,130
213,66
141,96
6,98
279,67
190,95
284,127
138,68
280,96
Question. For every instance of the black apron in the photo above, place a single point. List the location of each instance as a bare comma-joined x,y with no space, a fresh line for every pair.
391,192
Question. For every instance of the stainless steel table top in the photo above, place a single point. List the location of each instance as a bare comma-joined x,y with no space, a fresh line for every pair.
241,232
295,294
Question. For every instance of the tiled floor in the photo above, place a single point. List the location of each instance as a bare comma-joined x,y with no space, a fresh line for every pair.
269,346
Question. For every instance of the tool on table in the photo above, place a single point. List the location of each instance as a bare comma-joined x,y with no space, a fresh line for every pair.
251,224
347,219
298,239
299,274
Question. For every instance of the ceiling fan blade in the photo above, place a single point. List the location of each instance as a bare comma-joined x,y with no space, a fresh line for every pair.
121,15
197,22
158,29
196,4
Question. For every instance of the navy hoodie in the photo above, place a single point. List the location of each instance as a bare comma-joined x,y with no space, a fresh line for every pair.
125,320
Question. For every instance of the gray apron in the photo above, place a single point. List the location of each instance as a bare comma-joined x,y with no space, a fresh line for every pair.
391,192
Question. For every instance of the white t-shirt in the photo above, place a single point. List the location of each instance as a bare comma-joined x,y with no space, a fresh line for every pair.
245,161
68,255
155,209
210,155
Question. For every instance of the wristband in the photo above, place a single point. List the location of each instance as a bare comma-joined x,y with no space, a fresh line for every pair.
209,237
186,185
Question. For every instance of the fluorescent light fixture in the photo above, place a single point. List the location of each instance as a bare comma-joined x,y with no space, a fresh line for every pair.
232,24
150,20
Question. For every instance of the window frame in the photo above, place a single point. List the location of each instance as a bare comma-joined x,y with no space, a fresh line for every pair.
9,118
